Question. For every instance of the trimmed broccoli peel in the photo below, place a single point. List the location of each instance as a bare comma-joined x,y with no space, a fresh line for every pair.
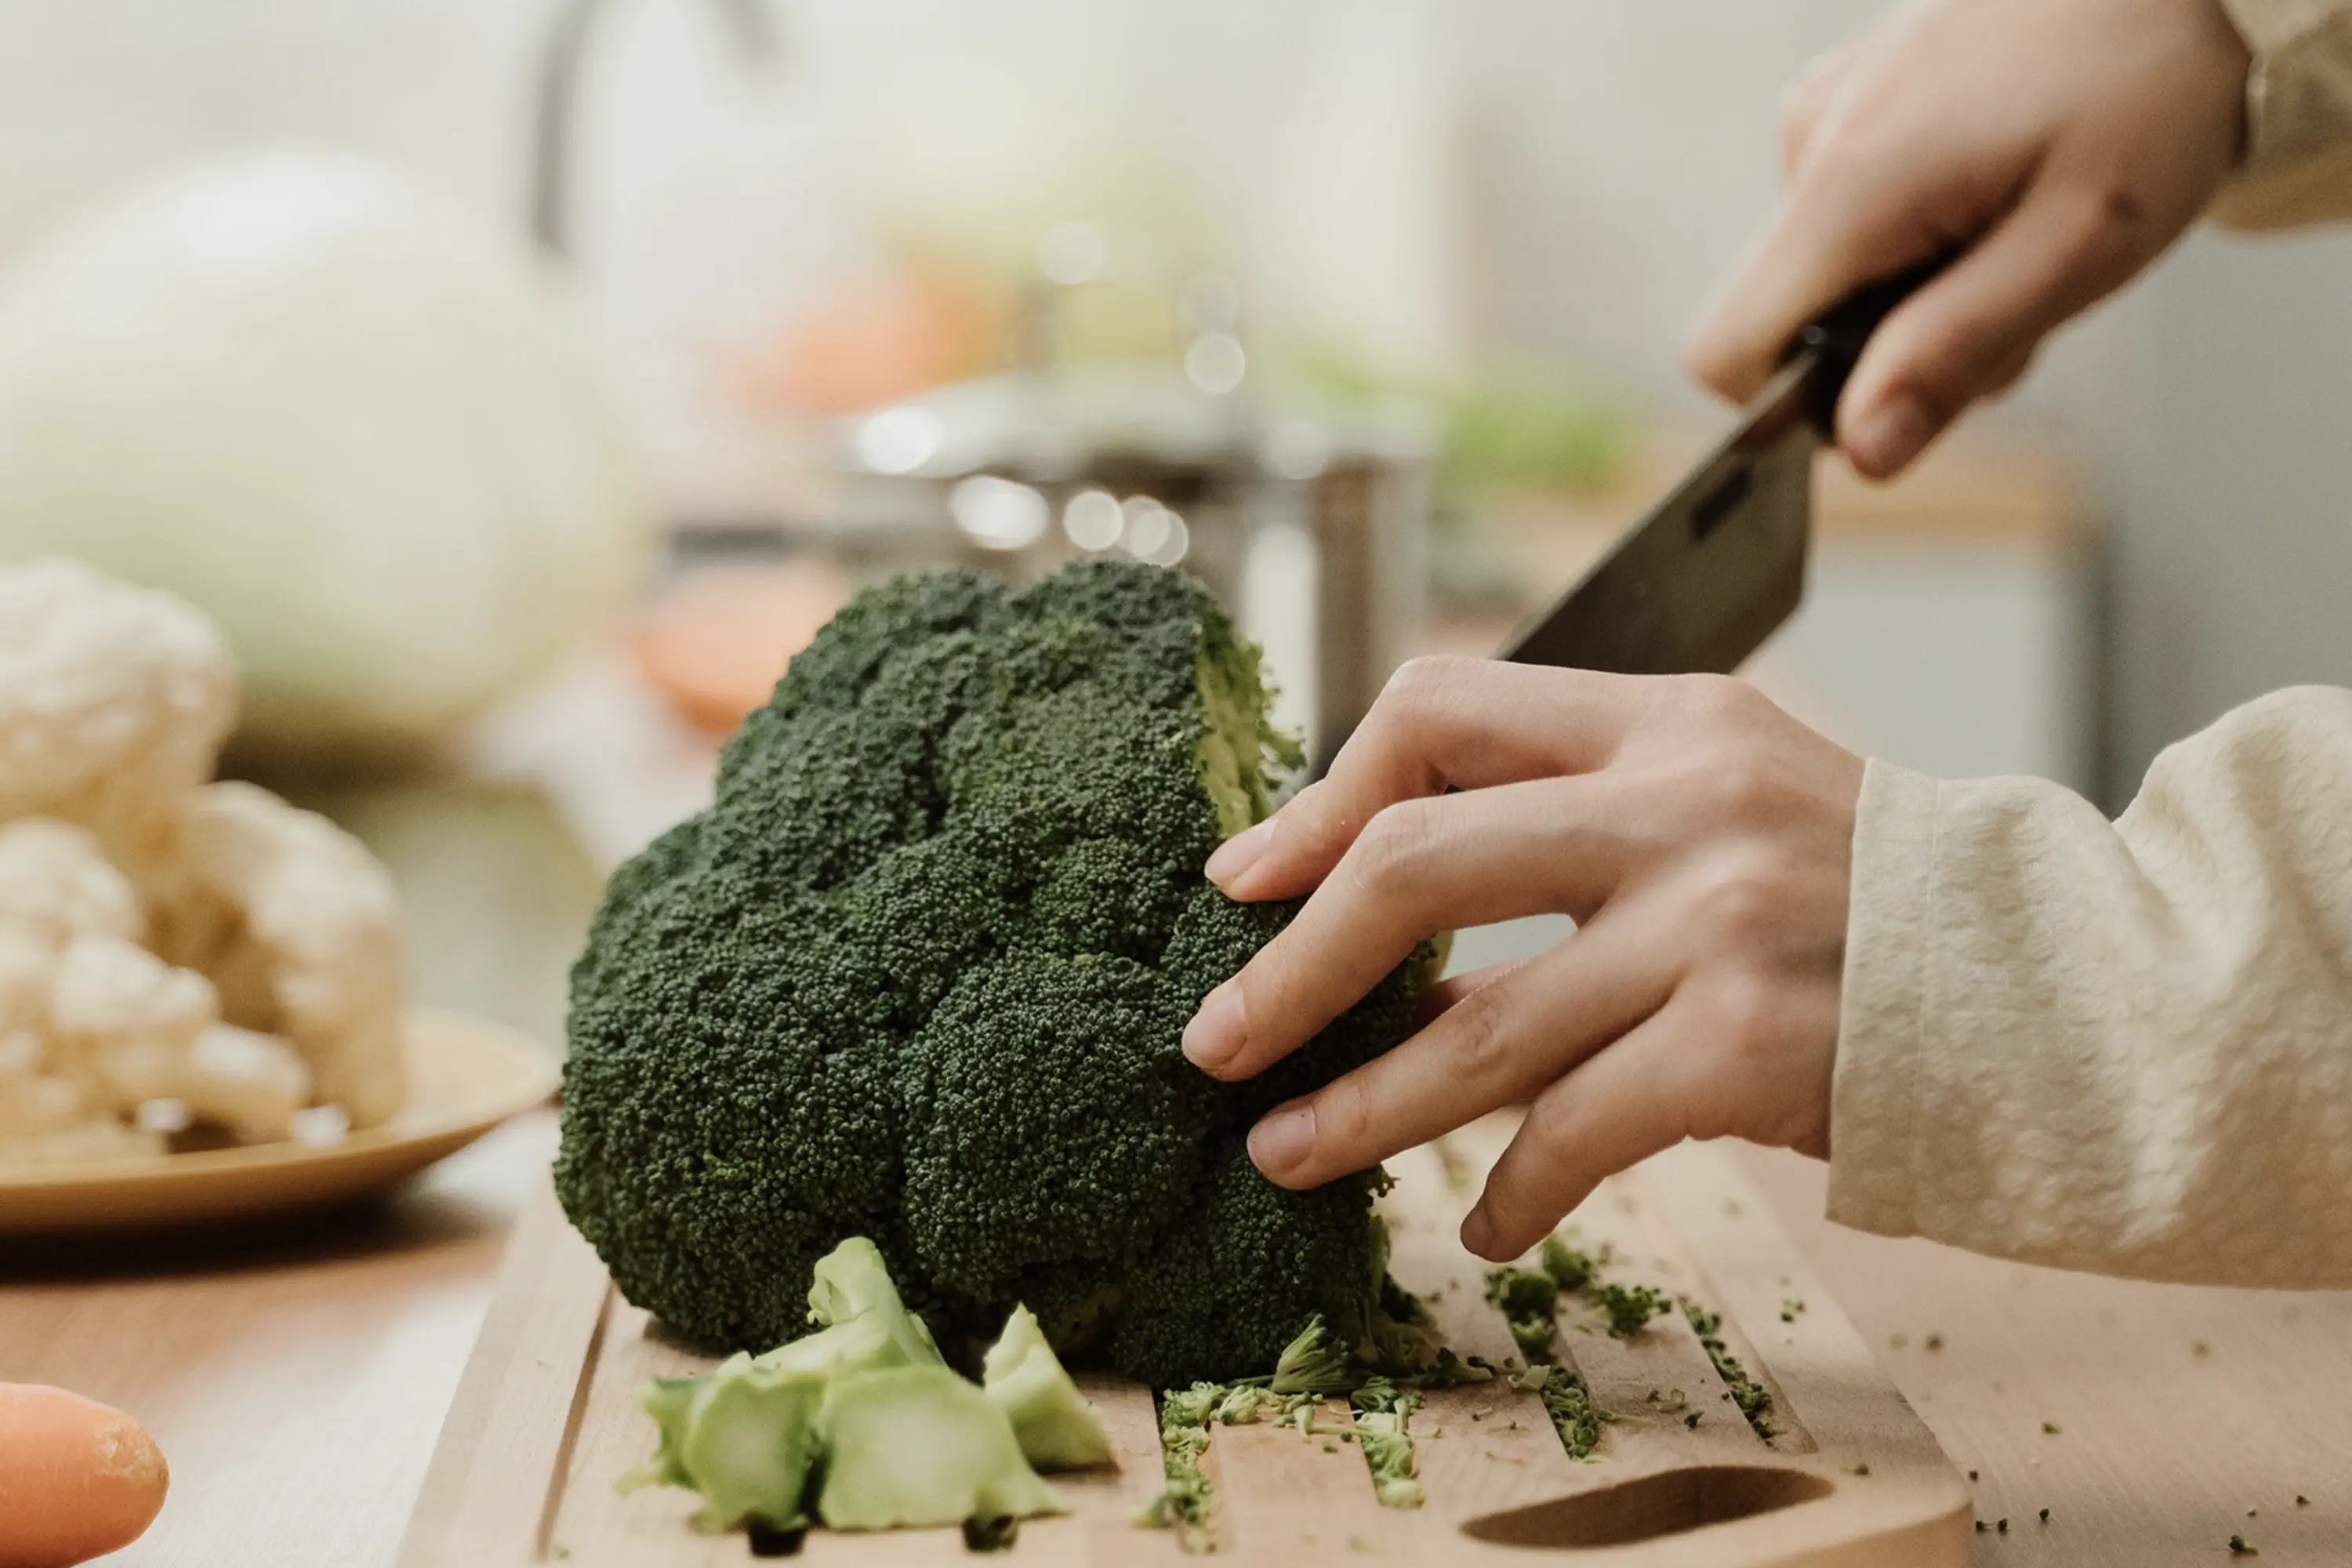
744,1436
911,1447
1056,1429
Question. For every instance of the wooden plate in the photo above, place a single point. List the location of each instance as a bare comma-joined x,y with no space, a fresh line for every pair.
467,1075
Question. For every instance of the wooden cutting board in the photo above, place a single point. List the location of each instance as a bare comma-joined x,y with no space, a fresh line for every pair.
546,1420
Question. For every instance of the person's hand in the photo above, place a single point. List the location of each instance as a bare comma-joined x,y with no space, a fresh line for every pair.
2063,143
1700,838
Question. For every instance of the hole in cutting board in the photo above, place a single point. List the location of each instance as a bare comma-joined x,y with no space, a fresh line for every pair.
1645,1509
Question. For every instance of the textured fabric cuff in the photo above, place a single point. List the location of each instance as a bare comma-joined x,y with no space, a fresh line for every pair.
1875,1098
2299,87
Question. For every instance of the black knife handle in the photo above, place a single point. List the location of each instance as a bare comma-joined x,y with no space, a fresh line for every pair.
1837,336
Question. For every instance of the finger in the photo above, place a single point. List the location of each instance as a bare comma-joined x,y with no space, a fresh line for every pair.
1420,867
1622,1105
1454,989
1500,1044
2009,373
2065,247
1848,220
1440,723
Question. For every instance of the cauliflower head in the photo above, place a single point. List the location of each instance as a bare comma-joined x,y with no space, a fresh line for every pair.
170,952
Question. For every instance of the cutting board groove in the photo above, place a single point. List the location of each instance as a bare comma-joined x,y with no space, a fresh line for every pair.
546,1421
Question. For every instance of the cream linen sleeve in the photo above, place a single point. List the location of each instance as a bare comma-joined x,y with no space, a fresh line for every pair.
2297,166
2120,1047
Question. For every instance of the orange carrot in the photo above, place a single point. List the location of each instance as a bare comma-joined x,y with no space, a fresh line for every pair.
77,1478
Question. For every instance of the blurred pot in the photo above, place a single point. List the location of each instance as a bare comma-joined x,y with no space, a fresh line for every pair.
1310,528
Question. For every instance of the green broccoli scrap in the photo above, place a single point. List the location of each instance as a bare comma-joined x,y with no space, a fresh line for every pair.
1568,1402
1527,1298
1752,1398
1629,1308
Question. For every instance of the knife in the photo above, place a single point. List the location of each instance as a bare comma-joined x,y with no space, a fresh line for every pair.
1709,572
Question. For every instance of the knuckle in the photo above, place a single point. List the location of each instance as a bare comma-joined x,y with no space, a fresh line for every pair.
1743,1007
1395,845
1343,1117
1482,1049
1739,899
2103,222
1745,782
1422,683
1719,701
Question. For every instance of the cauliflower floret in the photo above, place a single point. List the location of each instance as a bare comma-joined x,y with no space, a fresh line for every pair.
299,928
44,1106
254,1085
114,701
143,1031
57,884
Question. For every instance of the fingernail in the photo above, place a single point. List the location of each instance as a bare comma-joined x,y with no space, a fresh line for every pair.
1239,853
1215,1035
1891,434
1282,1140
1477,1232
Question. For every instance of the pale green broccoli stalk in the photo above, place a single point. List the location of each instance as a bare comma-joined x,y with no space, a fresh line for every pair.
1049,1415
852,1282
744,1436
912,1446
866,1326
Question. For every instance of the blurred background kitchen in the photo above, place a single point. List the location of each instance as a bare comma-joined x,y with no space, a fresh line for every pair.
521,381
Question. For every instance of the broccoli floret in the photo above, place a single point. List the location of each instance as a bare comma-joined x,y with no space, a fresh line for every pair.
744,1436
919,972
1049,1415
1237,1279
909,1447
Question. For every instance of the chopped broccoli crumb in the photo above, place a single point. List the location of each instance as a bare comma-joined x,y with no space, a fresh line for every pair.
1568,1402
1752,1396
1527,1298
2241,1547
1629,1308
1569,1269
1186,1502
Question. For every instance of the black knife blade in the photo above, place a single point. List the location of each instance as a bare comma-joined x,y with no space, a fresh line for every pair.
1716,567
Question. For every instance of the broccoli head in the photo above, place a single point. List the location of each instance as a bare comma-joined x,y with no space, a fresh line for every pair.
919,972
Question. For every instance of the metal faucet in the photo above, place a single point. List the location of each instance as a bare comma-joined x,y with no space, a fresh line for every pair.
563,51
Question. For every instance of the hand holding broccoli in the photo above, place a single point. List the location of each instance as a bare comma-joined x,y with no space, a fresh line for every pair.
1700,836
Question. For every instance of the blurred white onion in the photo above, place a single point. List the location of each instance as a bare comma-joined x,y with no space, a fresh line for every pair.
341,412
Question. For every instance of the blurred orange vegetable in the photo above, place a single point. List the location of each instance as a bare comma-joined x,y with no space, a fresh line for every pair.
77,1478
716,641
877,340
